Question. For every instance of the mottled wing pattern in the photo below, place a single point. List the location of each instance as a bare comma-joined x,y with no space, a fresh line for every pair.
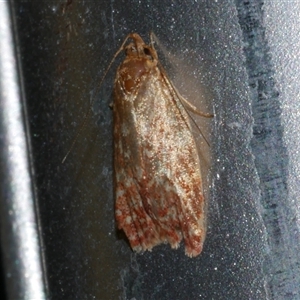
157,171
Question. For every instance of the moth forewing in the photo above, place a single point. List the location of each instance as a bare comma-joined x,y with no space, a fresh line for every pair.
159,195
198,119
186,71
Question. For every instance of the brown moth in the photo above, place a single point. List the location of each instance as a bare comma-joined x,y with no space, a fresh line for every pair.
158,185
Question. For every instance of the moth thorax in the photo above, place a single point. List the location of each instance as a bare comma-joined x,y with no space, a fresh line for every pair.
133,70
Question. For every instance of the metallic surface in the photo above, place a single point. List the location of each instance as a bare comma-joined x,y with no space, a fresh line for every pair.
19,234
232,52
282,32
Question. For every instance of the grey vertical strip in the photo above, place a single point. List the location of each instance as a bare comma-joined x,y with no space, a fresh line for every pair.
281,265
19,235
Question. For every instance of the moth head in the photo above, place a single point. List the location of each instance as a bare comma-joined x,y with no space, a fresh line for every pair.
141,51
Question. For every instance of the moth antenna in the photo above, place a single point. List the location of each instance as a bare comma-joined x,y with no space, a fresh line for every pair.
192,107
189,106
152,39
203,115
93,101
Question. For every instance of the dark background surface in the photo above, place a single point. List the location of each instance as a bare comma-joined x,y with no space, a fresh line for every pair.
64,49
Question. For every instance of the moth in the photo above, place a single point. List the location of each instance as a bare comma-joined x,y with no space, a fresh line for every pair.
158,185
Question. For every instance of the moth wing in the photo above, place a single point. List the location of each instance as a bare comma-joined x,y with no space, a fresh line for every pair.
159,189
131,207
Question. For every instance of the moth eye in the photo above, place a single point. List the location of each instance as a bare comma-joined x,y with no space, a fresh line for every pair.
148,53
